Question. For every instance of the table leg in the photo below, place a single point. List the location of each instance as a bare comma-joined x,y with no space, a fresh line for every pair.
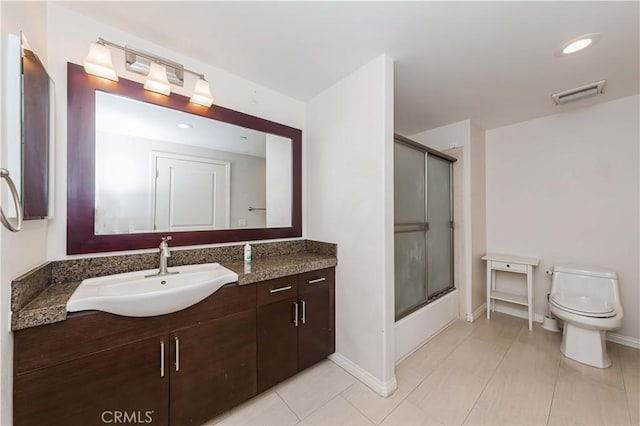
493,288
489,285
530,295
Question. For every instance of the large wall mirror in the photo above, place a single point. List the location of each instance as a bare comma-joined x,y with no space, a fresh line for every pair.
143,165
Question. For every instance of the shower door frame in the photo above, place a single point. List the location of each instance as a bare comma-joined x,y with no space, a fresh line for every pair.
424,226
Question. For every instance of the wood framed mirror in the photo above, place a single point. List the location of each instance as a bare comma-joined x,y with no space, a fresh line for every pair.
132,180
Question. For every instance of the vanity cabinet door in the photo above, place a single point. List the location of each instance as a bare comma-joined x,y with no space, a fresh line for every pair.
316,331
277,343
277,330
213,367
128,382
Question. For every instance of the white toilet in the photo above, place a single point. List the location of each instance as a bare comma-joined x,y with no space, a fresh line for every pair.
587,299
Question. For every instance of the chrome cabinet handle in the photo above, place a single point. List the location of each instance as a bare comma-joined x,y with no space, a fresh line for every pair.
4,173
317,280
177,353
161,358
304,311
278,290
295,314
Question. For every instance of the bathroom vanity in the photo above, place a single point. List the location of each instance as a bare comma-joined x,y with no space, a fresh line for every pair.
182,368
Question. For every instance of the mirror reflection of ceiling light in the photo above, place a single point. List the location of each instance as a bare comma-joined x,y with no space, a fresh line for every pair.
161,72
577,44
184,125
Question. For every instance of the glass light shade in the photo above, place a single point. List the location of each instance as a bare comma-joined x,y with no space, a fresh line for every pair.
98,62
202,93
157,79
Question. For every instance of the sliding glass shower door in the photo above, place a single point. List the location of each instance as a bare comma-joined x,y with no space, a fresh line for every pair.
423,226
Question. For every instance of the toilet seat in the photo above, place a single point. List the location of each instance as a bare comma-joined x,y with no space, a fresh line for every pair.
583,305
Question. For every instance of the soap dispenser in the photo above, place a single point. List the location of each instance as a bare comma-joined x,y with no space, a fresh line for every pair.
247,253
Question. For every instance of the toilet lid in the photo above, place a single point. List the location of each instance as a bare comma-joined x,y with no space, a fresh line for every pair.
583,305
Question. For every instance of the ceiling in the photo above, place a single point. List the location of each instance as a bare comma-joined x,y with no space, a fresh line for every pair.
492,62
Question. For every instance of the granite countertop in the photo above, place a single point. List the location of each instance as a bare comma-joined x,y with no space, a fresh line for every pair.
50,306
267,268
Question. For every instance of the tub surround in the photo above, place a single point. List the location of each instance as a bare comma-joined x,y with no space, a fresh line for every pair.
40,296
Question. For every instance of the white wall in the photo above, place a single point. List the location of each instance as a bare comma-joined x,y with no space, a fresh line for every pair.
69,35
279,181
459,230
564,188
478,218
26,249
350,202
445,137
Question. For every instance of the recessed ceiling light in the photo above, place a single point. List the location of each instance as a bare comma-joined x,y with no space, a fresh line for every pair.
184,125
577,44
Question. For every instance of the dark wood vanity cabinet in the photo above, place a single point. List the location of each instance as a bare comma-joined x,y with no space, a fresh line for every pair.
277,333
213,368
179,369
295,324
316,291
91,390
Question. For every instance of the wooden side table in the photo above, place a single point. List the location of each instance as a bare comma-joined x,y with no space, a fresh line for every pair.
509,263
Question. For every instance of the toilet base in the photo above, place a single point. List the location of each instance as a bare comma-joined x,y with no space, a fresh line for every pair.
585,345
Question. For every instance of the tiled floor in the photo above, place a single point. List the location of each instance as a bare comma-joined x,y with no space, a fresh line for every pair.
486,373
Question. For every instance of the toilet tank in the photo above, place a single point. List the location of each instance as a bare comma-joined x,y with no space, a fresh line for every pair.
585,281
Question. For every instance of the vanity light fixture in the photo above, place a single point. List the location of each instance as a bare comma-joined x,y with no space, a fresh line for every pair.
161,72
157,80
98,62
202,93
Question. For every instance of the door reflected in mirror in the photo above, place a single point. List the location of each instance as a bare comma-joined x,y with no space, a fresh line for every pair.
159,169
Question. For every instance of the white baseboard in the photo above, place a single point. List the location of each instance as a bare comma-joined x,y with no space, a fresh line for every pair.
477,313
624,340
378,386
620,339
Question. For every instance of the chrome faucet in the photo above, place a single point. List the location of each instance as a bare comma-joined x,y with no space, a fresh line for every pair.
165,253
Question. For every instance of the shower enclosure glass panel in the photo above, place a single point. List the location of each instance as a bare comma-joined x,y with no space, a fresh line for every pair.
410,214
423,231
409,180
410,255
440,234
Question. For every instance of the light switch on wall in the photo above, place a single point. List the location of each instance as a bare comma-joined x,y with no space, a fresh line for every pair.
242,222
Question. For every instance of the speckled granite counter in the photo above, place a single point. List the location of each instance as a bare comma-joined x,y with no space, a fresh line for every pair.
40,296
48,307
280,266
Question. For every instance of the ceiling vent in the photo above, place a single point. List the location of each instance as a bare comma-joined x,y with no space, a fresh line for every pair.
586,91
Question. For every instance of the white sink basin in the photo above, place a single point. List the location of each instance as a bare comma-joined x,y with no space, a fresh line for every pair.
133,295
